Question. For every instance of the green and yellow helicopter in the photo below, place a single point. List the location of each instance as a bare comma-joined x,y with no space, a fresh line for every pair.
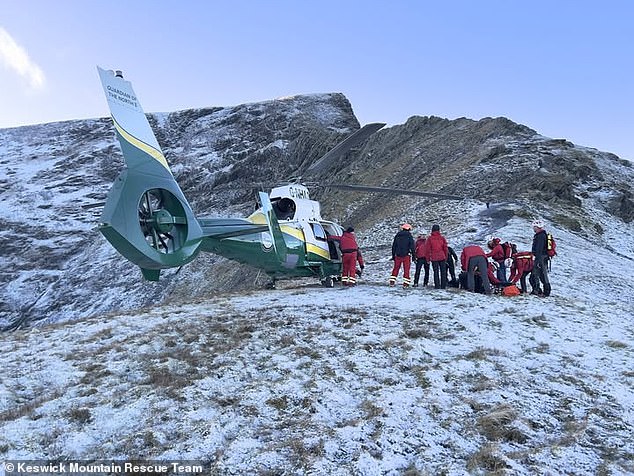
148,220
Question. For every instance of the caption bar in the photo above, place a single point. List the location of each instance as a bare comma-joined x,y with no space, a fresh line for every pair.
103,468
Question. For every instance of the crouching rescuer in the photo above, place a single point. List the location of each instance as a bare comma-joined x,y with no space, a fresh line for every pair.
350,255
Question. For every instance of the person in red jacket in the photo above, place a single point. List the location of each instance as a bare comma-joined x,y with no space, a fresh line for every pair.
350,254
521,268
472,259
491,271
421,261
497,254
436,254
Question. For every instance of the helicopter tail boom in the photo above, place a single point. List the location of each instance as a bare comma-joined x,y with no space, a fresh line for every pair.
146,217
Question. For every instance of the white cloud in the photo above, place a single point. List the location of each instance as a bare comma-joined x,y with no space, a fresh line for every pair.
16,58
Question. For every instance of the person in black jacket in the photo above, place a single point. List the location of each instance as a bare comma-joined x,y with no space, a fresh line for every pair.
403,249
540,266
452,259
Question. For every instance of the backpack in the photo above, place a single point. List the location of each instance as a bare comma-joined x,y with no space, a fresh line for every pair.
551,245
511,290
509,249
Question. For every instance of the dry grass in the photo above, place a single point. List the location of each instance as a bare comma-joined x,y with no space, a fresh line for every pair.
279,403
482,353
486,459
303,351
420,375
79,415
27,409
418,333
496,425
615,344
540,321
303,453
371,410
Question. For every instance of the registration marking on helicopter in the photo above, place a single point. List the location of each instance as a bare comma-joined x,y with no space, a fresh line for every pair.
298,192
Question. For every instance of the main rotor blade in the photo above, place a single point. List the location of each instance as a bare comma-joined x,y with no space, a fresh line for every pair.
344,146
397,191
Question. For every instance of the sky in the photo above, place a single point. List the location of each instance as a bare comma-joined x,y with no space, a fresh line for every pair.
563,68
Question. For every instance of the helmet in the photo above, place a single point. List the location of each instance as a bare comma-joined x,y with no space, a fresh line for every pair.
350,229
406,226
538,224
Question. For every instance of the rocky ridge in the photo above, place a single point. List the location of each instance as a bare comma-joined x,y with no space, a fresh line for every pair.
57,267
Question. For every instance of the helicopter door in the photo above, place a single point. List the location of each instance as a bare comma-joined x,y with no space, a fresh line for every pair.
332,246
321,239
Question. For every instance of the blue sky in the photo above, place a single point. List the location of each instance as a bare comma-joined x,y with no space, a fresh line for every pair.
564,68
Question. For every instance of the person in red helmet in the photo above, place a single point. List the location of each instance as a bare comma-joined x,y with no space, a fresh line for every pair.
403,248
350,255
436,253
498,255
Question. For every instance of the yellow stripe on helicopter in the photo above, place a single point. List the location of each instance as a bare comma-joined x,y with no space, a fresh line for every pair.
260,219
139,144
317,250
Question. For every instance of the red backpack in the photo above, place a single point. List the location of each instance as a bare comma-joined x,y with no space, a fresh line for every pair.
509,249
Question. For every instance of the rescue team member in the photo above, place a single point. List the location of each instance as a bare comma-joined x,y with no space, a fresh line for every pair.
497,254
491,271
436,252
350,254
452,259
540,266
474,258
403,248
421,262
521,268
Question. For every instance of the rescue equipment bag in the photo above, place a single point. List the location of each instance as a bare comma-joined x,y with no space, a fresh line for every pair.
511,290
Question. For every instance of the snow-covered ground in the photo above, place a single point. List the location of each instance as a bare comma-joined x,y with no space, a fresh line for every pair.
367,381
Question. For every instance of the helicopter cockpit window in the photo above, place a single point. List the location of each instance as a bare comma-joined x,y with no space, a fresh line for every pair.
284,209
319,231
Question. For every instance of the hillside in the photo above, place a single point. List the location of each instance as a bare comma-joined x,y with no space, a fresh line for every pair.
365,381
57,267
205,365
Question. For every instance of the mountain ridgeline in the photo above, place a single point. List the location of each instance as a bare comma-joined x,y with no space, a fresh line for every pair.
56,265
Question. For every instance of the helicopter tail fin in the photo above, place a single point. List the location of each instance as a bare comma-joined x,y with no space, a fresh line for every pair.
146,217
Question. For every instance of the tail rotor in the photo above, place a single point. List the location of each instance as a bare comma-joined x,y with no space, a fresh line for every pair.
162,220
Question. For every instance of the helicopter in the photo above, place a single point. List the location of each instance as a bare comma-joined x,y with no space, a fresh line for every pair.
148,220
